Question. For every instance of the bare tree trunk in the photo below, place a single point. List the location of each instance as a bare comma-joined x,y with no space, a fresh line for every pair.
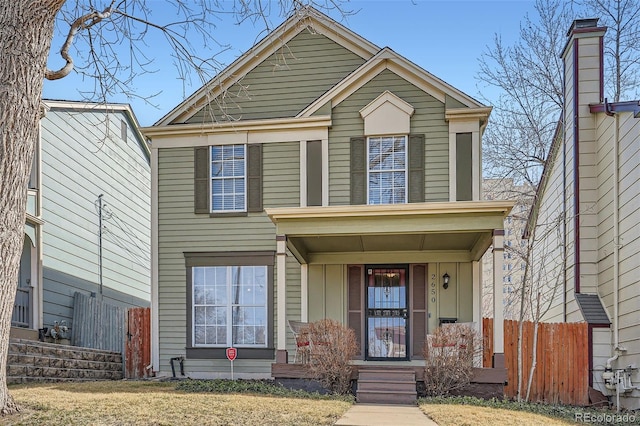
534,360
26,29
520,350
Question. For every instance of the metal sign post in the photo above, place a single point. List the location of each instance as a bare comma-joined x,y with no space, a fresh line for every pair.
232,353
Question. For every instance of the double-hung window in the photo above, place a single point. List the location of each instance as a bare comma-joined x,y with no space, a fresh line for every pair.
229,306
228,178
387,169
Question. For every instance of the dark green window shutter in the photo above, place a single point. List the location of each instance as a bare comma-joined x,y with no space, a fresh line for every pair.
464,175
314,173
254,178
201,192
416,168
358,171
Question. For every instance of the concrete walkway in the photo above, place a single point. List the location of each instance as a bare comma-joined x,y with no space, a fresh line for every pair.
383,415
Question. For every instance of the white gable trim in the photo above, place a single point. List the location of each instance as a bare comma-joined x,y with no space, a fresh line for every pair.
387,115
387,59
309,18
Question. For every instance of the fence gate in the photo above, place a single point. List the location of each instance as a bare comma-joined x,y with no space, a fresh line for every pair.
137,342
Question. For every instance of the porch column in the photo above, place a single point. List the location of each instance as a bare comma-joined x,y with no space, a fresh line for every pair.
281,297
476,271
498,306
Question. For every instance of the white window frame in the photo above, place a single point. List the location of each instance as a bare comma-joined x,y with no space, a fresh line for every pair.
222,178
405,170
229,309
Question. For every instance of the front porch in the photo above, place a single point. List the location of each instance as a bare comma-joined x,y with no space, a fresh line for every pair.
392,273
486,382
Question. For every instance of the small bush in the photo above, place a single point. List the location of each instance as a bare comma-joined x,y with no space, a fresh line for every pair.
332,347
449,355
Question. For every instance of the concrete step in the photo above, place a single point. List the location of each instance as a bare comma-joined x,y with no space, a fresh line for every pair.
392,375
386,386
389,386
386,397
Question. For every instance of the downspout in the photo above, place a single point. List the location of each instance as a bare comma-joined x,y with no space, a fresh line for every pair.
616,232
564,194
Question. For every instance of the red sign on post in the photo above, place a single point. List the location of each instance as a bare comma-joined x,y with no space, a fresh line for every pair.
232,353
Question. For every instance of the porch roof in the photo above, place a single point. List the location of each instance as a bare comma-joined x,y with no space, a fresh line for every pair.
462,230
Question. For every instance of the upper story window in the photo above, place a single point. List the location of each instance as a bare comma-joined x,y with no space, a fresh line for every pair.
387,169
228,178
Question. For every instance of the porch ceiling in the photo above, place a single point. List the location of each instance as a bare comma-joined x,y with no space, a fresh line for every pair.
460,227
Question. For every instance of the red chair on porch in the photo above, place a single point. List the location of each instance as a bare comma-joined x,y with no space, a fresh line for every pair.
300,333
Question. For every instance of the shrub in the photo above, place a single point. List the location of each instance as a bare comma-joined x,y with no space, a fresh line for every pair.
449,354
253,387
332,347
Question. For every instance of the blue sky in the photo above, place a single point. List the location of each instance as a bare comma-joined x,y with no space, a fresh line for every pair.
444,37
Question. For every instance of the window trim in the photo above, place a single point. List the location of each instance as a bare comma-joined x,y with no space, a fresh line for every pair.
244,209
229,306
236,258
406,166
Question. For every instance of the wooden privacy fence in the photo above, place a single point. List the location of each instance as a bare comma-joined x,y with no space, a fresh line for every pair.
100,325
97,324
562,366
138,343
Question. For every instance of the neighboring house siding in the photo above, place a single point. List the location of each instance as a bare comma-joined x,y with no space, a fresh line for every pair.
629,200
287,81
601,352
83,156
548,245
605,131
428,119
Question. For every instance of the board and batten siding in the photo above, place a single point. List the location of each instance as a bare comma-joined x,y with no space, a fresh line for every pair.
83,156
428,119
286,82
180,230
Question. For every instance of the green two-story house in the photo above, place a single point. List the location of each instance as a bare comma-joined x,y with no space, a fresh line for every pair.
318,176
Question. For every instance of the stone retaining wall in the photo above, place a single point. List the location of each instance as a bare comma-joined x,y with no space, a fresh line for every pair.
33,361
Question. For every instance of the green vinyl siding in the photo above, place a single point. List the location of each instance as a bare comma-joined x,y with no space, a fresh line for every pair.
180,230
428,119
281,174
286,82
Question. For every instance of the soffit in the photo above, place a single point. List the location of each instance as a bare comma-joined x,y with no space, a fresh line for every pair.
421,227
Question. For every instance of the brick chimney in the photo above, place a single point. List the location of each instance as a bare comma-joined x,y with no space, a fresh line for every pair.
583,69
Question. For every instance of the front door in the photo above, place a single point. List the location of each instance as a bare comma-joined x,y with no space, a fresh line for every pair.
387,315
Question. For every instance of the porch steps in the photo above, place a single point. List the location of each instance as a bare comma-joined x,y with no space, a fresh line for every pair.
33,361
382,385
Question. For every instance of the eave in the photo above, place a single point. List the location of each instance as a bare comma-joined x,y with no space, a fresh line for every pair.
278,124
443,230
387,59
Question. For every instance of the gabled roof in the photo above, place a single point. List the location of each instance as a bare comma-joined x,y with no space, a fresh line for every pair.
49,104
307,17
377,60
387,59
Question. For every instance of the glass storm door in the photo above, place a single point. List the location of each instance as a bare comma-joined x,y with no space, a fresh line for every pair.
387,313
